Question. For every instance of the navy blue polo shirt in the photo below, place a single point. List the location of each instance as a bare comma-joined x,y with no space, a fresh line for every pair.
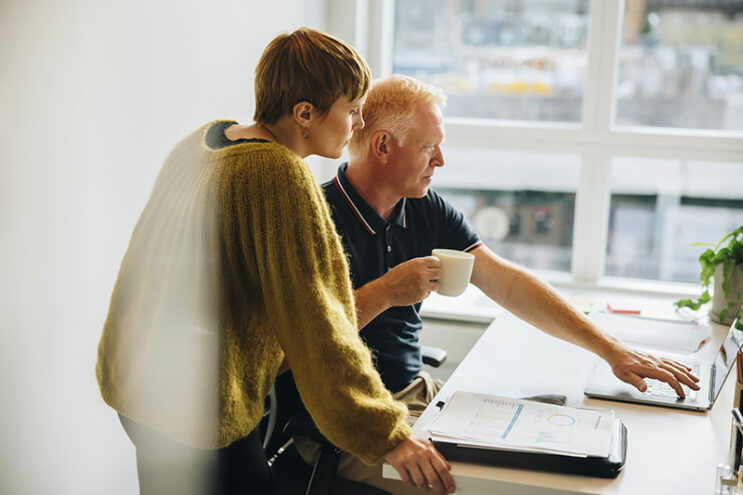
375,245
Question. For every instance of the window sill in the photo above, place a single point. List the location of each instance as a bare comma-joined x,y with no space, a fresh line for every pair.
622,285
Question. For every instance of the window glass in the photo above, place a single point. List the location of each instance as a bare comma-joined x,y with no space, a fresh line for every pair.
519,60
681,64
660,207
521,204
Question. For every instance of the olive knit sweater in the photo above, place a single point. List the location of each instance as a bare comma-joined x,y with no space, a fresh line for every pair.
234,264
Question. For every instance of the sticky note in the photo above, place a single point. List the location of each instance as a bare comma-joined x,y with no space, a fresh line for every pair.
623,308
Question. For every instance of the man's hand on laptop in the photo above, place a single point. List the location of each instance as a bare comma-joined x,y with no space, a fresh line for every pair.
632,366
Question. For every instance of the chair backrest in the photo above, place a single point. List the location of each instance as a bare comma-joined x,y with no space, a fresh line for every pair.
269,416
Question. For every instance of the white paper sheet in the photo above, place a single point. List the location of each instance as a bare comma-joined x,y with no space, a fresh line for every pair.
659,334
513,424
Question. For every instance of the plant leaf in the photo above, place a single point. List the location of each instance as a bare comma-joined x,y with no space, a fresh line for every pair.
734,234
736,252
721,255
727,277
708,267
694,305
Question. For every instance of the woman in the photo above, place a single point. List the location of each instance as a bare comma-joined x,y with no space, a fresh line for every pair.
235,266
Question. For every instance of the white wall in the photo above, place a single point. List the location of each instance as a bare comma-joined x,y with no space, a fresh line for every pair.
93,94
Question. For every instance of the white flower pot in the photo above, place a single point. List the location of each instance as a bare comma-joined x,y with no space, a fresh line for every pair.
719,302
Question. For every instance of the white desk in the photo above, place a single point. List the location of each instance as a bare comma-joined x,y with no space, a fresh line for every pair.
668,450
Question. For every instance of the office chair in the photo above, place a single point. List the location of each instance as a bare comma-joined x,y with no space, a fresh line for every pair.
291,473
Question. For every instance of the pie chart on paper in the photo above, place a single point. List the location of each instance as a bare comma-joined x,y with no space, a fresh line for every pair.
561,420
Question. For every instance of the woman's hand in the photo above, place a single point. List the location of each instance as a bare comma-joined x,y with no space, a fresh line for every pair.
421,465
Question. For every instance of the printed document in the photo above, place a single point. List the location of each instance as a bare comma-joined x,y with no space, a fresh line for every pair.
653,333
489,421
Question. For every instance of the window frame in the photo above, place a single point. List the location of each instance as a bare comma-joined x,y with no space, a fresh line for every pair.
369,25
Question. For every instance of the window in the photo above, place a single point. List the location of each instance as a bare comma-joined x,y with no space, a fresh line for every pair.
527,210
496,59
681,65
659,208
634,106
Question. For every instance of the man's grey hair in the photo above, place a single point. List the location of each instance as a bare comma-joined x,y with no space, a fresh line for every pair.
391,105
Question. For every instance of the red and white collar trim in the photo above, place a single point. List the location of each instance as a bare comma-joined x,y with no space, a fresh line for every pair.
353,206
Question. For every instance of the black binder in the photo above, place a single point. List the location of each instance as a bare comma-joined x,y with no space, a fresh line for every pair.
601,467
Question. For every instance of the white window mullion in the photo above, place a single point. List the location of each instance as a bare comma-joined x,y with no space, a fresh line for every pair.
369,26
590,227
380,26
603,48
347,19
670,144
594,50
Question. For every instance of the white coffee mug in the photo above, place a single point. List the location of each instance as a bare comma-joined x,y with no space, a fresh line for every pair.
456,270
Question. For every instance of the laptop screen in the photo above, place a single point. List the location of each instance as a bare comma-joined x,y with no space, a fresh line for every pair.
726,357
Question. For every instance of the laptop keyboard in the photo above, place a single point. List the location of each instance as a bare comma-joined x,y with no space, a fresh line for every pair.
657,388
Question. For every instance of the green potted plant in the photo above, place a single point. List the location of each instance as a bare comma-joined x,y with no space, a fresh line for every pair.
724,265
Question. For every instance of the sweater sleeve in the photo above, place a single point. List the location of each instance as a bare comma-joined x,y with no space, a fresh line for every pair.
287,235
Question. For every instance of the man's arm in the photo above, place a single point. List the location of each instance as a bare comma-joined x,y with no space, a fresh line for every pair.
405,284
535,302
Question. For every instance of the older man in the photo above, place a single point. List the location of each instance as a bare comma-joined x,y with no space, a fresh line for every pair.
390,220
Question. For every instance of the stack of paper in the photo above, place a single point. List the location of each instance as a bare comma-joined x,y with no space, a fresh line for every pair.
494,422
677,336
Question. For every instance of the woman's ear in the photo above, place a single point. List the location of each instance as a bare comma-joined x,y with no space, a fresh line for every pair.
380,146
303,113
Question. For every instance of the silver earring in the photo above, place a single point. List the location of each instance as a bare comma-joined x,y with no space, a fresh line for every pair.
306,133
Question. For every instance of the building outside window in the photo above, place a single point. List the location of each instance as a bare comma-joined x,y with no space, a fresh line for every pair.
659,208
517,205
681,65
496,59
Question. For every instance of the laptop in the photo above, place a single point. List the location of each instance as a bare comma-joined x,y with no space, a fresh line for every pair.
603,384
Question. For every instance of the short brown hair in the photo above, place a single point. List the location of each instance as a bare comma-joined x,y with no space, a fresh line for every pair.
391,105
307,65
